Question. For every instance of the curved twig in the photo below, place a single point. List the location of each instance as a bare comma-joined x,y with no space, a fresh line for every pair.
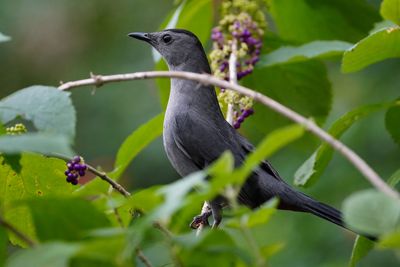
98,173
349,154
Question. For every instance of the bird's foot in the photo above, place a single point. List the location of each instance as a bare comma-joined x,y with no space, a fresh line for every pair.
201,219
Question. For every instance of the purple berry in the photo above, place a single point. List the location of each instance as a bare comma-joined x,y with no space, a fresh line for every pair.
81,173
236,125
68,180
67,172
251,111
240,119
76,159
74,181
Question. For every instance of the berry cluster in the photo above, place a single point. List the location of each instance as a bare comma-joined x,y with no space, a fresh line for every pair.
76,168
240,31
18,128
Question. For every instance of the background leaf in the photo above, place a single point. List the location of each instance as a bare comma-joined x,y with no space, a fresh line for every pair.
45,255
310,171
4,38
362,246
33,177
376,47
313,50
76,216
35,142
390,10
305,21
394,179
306,90
371,212
136,142
49,109
392,119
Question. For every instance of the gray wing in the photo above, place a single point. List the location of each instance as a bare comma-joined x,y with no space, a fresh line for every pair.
264,165
204,141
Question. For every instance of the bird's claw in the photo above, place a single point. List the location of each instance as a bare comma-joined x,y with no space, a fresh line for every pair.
201,219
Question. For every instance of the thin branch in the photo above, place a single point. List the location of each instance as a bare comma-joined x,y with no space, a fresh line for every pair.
16,232
100,174
349,154
143,258
232,78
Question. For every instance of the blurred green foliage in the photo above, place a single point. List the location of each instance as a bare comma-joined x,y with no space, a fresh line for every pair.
67,39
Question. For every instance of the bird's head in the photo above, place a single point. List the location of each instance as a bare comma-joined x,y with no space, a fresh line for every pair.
180,48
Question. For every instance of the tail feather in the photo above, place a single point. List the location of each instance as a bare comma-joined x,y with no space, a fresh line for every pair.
330,214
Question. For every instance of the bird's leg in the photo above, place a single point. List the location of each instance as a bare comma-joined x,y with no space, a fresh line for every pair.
216,210
202,218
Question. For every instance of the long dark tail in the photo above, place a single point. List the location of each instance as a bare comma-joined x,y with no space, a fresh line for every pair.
329,213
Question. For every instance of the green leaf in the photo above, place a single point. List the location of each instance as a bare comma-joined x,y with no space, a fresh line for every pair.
4,38
136,142
269,145
35,176
394,179
313,50
305,21
310,171
390,10
3,245
376,47
371,212
362,246
174,195
42,143
253,218
390,240
45,255
306,90
49,109
102,250
75,216
392,119
212,248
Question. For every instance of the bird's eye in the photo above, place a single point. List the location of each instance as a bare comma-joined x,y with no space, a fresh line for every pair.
167,38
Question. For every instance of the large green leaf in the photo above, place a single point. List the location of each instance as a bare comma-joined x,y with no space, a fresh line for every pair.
136,142
390,10
376,47
306,20
186,16
310,171
45,255
75,216
361,248
33,176
371,212
392,119
303,86
4,38
42,143
49,109
313,50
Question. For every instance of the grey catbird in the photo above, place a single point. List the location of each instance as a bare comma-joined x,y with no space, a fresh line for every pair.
196,133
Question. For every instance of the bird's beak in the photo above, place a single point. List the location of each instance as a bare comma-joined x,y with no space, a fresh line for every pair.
140,35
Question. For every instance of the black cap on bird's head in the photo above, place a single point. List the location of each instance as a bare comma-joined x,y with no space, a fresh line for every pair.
177,47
